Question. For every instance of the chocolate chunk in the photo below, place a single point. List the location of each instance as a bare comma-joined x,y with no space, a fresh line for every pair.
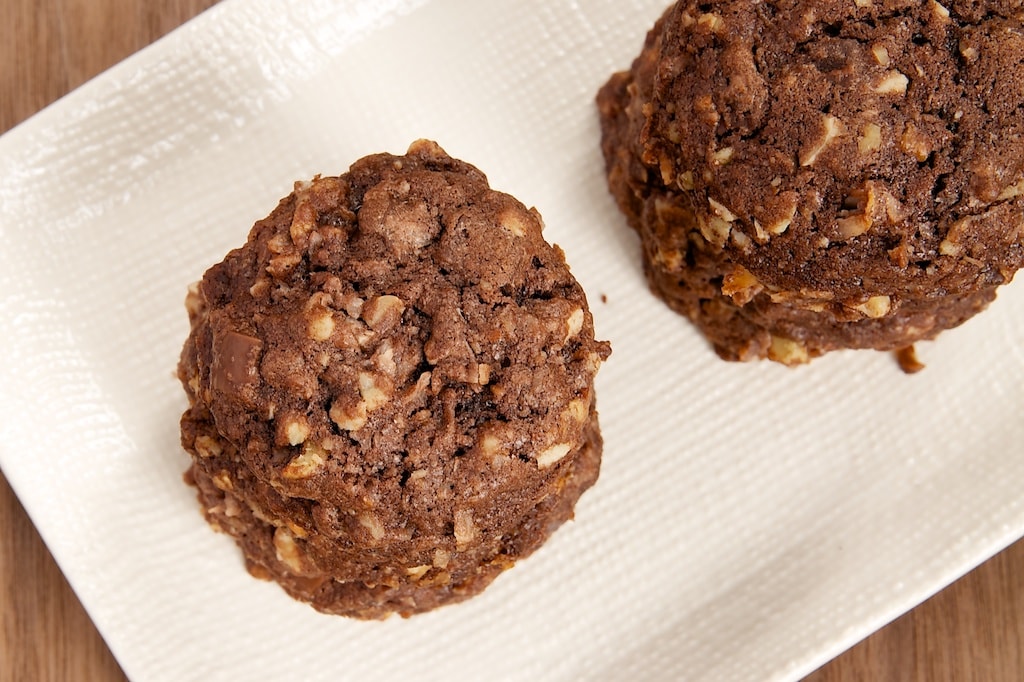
235,362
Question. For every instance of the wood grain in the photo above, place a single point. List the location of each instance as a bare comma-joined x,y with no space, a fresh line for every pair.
46,634
971,632
47,48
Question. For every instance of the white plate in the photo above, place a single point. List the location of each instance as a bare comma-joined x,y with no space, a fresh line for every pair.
750,522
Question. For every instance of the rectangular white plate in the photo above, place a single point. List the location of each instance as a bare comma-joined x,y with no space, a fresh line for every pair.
751,521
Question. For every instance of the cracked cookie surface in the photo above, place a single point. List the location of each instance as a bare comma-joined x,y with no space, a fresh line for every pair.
391,387
811,176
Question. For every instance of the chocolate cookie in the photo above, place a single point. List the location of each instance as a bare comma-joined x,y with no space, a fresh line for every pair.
391,387
810,176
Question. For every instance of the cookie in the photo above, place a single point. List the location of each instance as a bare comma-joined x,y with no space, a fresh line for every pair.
391,387
813,176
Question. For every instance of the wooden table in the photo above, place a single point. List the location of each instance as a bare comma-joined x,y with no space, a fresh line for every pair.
972,631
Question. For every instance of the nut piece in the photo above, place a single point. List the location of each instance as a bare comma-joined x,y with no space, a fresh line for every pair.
490,445
373,395
893,83
915,143
1012,192
870,138
951,246
279,244
321,326
384,358
351,417
417,572
741,286
514,222
711,22
281,266
740,239
722,156
207,447
348,419
860,207
383,312
441,558
721,211
552,454
223,481
578,409
833,128
671,259
297,530
881,54
780,226
788,351
715,229
194,304
667,168
465,529
854,225
306,464
875,307
483,374
296,430
287,550
372,524
303,221
573,325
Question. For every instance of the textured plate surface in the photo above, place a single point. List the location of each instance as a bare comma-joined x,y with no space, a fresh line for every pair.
750,522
